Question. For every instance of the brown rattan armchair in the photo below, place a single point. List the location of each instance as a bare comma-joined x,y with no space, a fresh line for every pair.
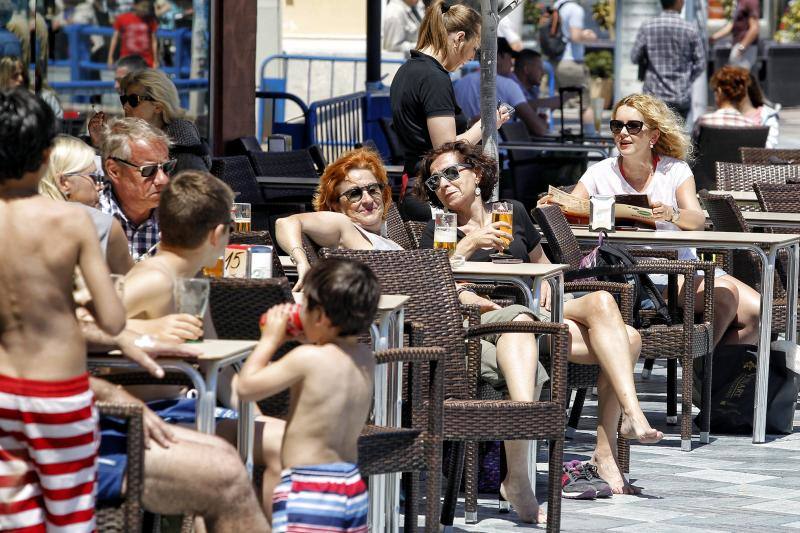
778,197
683,341
428,281
769,156
237,304
127,516
396,229
740,177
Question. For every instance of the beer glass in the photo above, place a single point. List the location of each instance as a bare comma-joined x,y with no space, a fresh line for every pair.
191,297
241,217
445,232
215,271
504,212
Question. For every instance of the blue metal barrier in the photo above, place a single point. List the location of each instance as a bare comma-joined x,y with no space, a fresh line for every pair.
337,124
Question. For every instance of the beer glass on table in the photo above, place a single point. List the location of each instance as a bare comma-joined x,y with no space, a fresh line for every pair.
191,297
215,271
504,212
445,236
241,217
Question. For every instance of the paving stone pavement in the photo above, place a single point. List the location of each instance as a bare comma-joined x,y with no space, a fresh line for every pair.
728,485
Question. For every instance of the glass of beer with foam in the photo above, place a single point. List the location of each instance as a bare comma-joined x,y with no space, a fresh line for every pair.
241,217
445,234
504,212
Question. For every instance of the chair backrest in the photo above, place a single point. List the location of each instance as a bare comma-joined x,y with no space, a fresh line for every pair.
294,164
741,177
397,150
424,276
564,247
722,143
260,237
515,131
396,229
725,215
237,304
778,197
238,173
416,228
242,145
769,156
217,166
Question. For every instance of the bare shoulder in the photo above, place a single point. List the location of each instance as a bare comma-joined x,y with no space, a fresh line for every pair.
146,274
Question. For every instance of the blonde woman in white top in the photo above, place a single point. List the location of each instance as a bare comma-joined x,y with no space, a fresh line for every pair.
652,148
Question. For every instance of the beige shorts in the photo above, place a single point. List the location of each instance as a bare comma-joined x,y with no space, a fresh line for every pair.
490,370
572,74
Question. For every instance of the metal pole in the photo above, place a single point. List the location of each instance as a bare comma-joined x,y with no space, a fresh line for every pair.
374,45
489,81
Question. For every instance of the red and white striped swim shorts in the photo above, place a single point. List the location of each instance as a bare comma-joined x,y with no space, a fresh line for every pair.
48,449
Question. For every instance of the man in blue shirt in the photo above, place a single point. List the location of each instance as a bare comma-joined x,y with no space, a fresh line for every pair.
468,92
9,43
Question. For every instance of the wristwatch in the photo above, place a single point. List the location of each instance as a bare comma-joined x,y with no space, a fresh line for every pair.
676,215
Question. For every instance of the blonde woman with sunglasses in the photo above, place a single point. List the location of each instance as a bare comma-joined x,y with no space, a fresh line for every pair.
72,175
652,152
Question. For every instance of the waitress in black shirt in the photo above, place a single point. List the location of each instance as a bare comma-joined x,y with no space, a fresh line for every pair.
424,108
460,177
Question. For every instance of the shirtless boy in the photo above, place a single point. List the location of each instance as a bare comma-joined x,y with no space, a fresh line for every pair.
330,379
47,458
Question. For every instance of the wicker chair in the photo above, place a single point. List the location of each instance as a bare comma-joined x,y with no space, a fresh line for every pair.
429,282
740,177
684,341
769,156
415,229
726,216
722,143
781,198
397,230
236,305
237,172
127,517
260,237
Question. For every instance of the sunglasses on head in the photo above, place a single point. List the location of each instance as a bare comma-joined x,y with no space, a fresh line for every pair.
633,126
450,173
148,171
375,190
134,100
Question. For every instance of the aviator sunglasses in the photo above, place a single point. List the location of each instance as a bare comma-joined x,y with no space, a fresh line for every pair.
450,173
633,126
356,193
148,171
134,100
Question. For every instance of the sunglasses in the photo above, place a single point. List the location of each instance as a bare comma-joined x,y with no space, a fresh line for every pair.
375,190
148,171
450,173
633,126
134,100
98,180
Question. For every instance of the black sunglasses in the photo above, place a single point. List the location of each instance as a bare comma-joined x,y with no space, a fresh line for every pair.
148,171
633,126
134,99
356,193
450,173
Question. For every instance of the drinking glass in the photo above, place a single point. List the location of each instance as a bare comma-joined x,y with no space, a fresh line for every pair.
445,236
242,216
191,297
215,271
504,212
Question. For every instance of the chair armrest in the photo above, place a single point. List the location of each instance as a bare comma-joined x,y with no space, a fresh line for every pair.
647,253
688,270
415,332
622,290
409,355
134,415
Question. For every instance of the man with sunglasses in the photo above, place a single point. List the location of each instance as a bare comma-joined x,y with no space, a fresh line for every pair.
137,164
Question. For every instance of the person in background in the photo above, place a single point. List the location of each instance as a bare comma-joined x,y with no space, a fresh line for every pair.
756,108
468,92
570,68
127,65
150,95
730,89
424,107
528,73
10,45
72,176
135,32
744,28
12,73
675,57
401,20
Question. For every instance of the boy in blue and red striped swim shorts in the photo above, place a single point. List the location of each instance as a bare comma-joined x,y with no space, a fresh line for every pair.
330,380
48,423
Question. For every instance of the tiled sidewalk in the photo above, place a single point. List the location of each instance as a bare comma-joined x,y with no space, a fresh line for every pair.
728,485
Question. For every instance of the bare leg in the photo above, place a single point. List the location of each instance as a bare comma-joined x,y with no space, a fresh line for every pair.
517,356
201,474
726,303
269,438
744,329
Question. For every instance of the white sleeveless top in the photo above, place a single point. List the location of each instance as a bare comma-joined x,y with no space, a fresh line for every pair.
379,242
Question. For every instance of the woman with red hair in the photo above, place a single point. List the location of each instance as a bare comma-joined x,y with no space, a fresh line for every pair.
352,200
730,89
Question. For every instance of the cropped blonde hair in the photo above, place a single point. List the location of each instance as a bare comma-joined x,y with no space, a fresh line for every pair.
673,141
160,88
69,154
119,133
442,19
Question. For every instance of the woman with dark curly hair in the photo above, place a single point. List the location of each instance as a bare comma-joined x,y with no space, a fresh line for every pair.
730,89
460,177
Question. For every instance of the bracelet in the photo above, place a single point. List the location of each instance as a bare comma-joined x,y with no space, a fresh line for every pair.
291,254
